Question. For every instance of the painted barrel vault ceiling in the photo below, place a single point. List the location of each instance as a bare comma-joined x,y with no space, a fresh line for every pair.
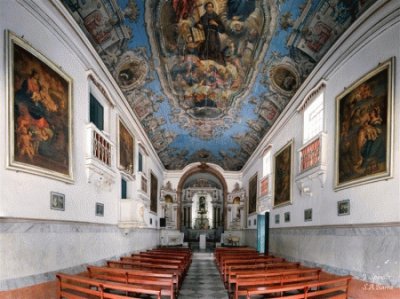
207,85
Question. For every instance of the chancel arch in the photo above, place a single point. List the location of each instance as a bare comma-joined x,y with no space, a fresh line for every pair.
202,193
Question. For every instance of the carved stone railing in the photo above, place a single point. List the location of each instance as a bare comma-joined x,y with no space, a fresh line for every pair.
313,163
99,158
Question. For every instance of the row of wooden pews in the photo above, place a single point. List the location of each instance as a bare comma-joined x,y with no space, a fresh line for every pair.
157,272
246,273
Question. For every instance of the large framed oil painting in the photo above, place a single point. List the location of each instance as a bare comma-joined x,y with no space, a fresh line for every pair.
253,194
126,149
364,129
39,118
283,175
153,192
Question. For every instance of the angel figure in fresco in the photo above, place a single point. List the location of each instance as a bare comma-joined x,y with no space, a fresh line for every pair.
183,8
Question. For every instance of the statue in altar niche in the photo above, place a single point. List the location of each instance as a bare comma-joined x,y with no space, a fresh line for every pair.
202,205
202,221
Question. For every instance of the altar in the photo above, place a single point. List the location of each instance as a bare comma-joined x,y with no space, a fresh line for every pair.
202,213
201,220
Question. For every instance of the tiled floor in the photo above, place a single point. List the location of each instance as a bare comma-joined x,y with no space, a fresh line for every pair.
203,279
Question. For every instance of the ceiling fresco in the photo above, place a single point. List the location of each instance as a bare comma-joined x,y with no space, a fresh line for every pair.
208,78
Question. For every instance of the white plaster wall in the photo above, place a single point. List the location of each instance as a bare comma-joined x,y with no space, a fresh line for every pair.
24,191
376,202
30,251
368,253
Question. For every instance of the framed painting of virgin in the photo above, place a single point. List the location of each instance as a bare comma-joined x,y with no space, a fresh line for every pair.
364,129
39,116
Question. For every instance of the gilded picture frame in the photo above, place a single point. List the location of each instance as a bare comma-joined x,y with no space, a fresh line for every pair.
153,192
364,129
126,148
39,113
283,173
253,191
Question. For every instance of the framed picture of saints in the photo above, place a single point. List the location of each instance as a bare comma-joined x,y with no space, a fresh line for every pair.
283,175
364,128
252,207
39,113
126,143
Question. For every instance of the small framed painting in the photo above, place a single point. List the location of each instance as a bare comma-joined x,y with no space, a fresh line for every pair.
277,219
57,201
287,217
343,207
308,215
99,209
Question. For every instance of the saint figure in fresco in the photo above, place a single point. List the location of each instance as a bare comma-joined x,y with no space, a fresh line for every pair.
212,25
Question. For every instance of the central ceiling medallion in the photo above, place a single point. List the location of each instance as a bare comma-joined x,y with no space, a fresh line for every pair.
209,53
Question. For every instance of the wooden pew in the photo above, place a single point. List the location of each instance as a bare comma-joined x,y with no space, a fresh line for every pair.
220,256
159,255
248,261
79,287
138,264
336,288
147,267
157,259
137,278
181,252
186,257
163,255
123,274
273,278
223,251
224,257
233,271
154,260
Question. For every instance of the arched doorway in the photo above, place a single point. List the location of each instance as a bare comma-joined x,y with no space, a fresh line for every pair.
202,193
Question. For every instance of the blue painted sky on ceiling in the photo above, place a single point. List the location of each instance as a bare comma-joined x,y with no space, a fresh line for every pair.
212,107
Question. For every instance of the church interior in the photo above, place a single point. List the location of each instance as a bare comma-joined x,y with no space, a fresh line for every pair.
199,149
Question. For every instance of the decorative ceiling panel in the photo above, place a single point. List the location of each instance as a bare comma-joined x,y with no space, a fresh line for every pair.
207,79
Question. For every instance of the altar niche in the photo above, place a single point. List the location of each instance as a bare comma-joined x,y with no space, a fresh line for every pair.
202,209
202,215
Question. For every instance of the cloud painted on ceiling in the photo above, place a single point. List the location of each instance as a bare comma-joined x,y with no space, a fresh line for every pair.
207,79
